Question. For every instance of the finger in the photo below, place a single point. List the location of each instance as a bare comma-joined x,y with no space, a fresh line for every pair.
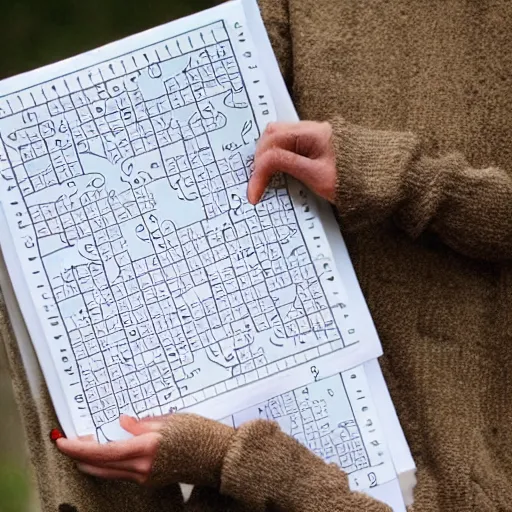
140,465
88,439
109,474
100,453
277,138
304,169
138,427
299,137
161,418
299,126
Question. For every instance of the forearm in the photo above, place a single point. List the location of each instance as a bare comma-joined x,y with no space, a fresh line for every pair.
386,174
266,469
255,467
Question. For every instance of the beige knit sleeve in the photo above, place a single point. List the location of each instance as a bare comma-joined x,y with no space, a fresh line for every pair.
385,174
267,470
191,451
276,20
257,466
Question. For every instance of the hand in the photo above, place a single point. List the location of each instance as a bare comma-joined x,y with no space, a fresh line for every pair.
121,460
303,150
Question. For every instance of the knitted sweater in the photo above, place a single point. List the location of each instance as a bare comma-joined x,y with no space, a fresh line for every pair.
419,97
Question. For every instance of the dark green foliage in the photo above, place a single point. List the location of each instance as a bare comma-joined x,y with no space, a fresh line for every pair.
38,32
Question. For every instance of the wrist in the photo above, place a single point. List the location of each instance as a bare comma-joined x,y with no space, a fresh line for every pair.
191,451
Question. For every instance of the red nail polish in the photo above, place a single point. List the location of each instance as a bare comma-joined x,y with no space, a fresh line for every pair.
55,434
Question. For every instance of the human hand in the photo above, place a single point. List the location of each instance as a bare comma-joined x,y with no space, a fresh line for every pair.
303,150
120,460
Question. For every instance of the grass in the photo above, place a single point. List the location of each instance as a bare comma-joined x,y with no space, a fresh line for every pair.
15,491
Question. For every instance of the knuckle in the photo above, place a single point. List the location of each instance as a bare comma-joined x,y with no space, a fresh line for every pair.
287,158
269,159
272,154
154,442
142,467
275,127
271,139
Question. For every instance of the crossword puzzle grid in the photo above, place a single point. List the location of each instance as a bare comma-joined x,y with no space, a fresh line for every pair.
133,333
311,425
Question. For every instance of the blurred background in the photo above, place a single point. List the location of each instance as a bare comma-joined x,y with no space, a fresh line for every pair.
34,33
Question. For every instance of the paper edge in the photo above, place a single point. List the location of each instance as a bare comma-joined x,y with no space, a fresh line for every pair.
34,355
397,442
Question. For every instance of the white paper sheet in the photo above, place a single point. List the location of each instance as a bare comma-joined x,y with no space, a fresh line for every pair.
147,282
349,453
388,431
145,275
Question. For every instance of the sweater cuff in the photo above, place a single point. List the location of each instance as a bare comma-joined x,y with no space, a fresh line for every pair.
371,172
256,467
191,451
426,185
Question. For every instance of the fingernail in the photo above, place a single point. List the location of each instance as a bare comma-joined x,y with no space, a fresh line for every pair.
56,434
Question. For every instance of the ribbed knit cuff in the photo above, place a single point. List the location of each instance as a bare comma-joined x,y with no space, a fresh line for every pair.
426,188
255,468
372,167
192,451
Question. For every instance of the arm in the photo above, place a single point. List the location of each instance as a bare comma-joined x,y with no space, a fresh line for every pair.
386,174
374,175
257,465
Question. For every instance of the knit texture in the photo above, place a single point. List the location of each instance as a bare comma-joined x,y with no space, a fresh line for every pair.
268,470
419,95
192,451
